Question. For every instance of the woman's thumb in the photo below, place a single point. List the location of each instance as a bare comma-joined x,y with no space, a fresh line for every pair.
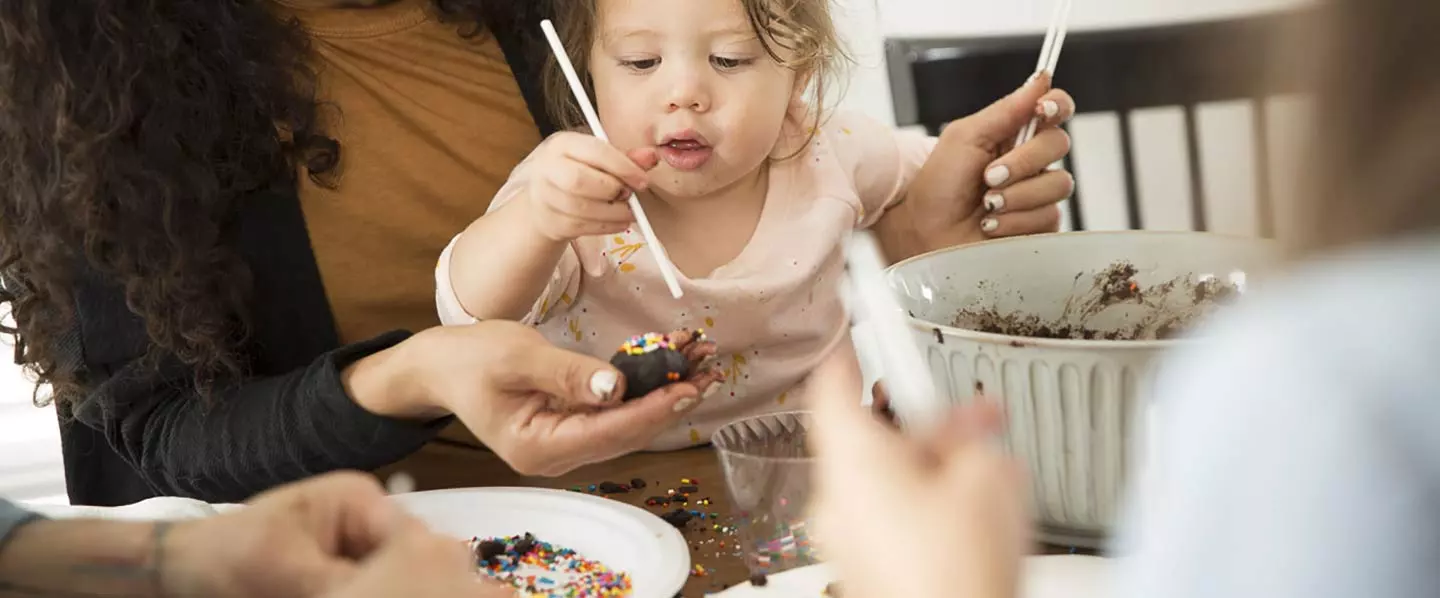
573,378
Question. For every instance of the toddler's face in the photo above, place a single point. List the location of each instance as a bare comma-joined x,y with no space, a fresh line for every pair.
689,78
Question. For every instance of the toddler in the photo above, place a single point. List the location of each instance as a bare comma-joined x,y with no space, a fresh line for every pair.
750,189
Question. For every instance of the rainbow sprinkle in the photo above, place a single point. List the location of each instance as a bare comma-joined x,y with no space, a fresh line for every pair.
548,571
651,342
786,545
647,343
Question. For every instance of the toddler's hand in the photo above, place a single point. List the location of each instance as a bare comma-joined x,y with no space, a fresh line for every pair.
580,184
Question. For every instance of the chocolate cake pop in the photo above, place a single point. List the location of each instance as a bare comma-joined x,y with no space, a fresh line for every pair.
649,362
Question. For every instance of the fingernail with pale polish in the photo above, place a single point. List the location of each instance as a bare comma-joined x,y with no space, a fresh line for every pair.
603,384
997,176
711,390
684,404
989,225
1051,108
994,202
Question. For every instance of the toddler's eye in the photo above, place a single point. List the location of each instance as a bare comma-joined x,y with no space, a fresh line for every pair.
641,65
726,64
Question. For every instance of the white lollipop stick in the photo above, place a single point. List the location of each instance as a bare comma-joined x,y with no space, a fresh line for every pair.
1049,58
907,379
667,270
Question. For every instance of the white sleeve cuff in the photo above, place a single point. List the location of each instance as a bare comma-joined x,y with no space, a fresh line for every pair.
446,303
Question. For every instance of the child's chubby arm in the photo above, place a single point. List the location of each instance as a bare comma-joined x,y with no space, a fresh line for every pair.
573,185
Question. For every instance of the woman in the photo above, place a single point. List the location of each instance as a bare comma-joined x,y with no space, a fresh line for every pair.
219,218
1314,469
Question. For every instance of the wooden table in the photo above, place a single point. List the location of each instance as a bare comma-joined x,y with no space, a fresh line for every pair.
441,465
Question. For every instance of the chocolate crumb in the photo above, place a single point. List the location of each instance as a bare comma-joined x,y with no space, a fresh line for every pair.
488,550
612,488
1174,306
677,518
1119,284
526,544
637,483
688,489
759,580
979,387
939,338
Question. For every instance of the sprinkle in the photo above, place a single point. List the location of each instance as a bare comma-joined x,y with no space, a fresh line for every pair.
562,572
650,342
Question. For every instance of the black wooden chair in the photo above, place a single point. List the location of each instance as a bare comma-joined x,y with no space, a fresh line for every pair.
938,80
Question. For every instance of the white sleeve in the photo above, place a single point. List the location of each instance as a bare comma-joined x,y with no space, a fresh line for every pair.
558,295
446,302
1279,471
881,160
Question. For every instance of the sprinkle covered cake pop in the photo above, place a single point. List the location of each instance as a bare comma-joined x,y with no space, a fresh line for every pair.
649,362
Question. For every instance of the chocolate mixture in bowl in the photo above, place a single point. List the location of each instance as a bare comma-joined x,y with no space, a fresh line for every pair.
1165,310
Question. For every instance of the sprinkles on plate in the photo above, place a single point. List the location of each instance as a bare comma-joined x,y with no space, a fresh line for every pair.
542,570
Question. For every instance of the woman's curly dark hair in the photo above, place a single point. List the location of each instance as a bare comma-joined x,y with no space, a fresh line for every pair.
129,132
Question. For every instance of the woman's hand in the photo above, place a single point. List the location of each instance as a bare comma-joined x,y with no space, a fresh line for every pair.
977,186
578,185
544,410
334,535
418,563
952,493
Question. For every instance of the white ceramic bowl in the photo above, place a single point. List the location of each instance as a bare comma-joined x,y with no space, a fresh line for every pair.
1071,403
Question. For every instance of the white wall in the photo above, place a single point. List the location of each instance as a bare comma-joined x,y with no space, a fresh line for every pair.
30,462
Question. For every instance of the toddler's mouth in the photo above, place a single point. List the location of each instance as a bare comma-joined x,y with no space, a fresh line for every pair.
685,151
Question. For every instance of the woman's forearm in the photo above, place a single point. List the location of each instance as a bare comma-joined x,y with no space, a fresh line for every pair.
85,558
258,433
500,265
899,238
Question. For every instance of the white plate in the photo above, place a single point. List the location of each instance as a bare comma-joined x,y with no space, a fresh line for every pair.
1060,576
623,537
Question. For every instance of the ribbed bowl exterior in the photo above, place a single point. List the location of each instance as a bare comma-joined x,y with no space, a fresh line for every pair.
1072,404
1070,418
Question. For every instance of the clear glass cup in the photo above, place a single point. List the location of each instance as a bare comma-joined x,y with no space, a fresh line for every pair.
768,467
